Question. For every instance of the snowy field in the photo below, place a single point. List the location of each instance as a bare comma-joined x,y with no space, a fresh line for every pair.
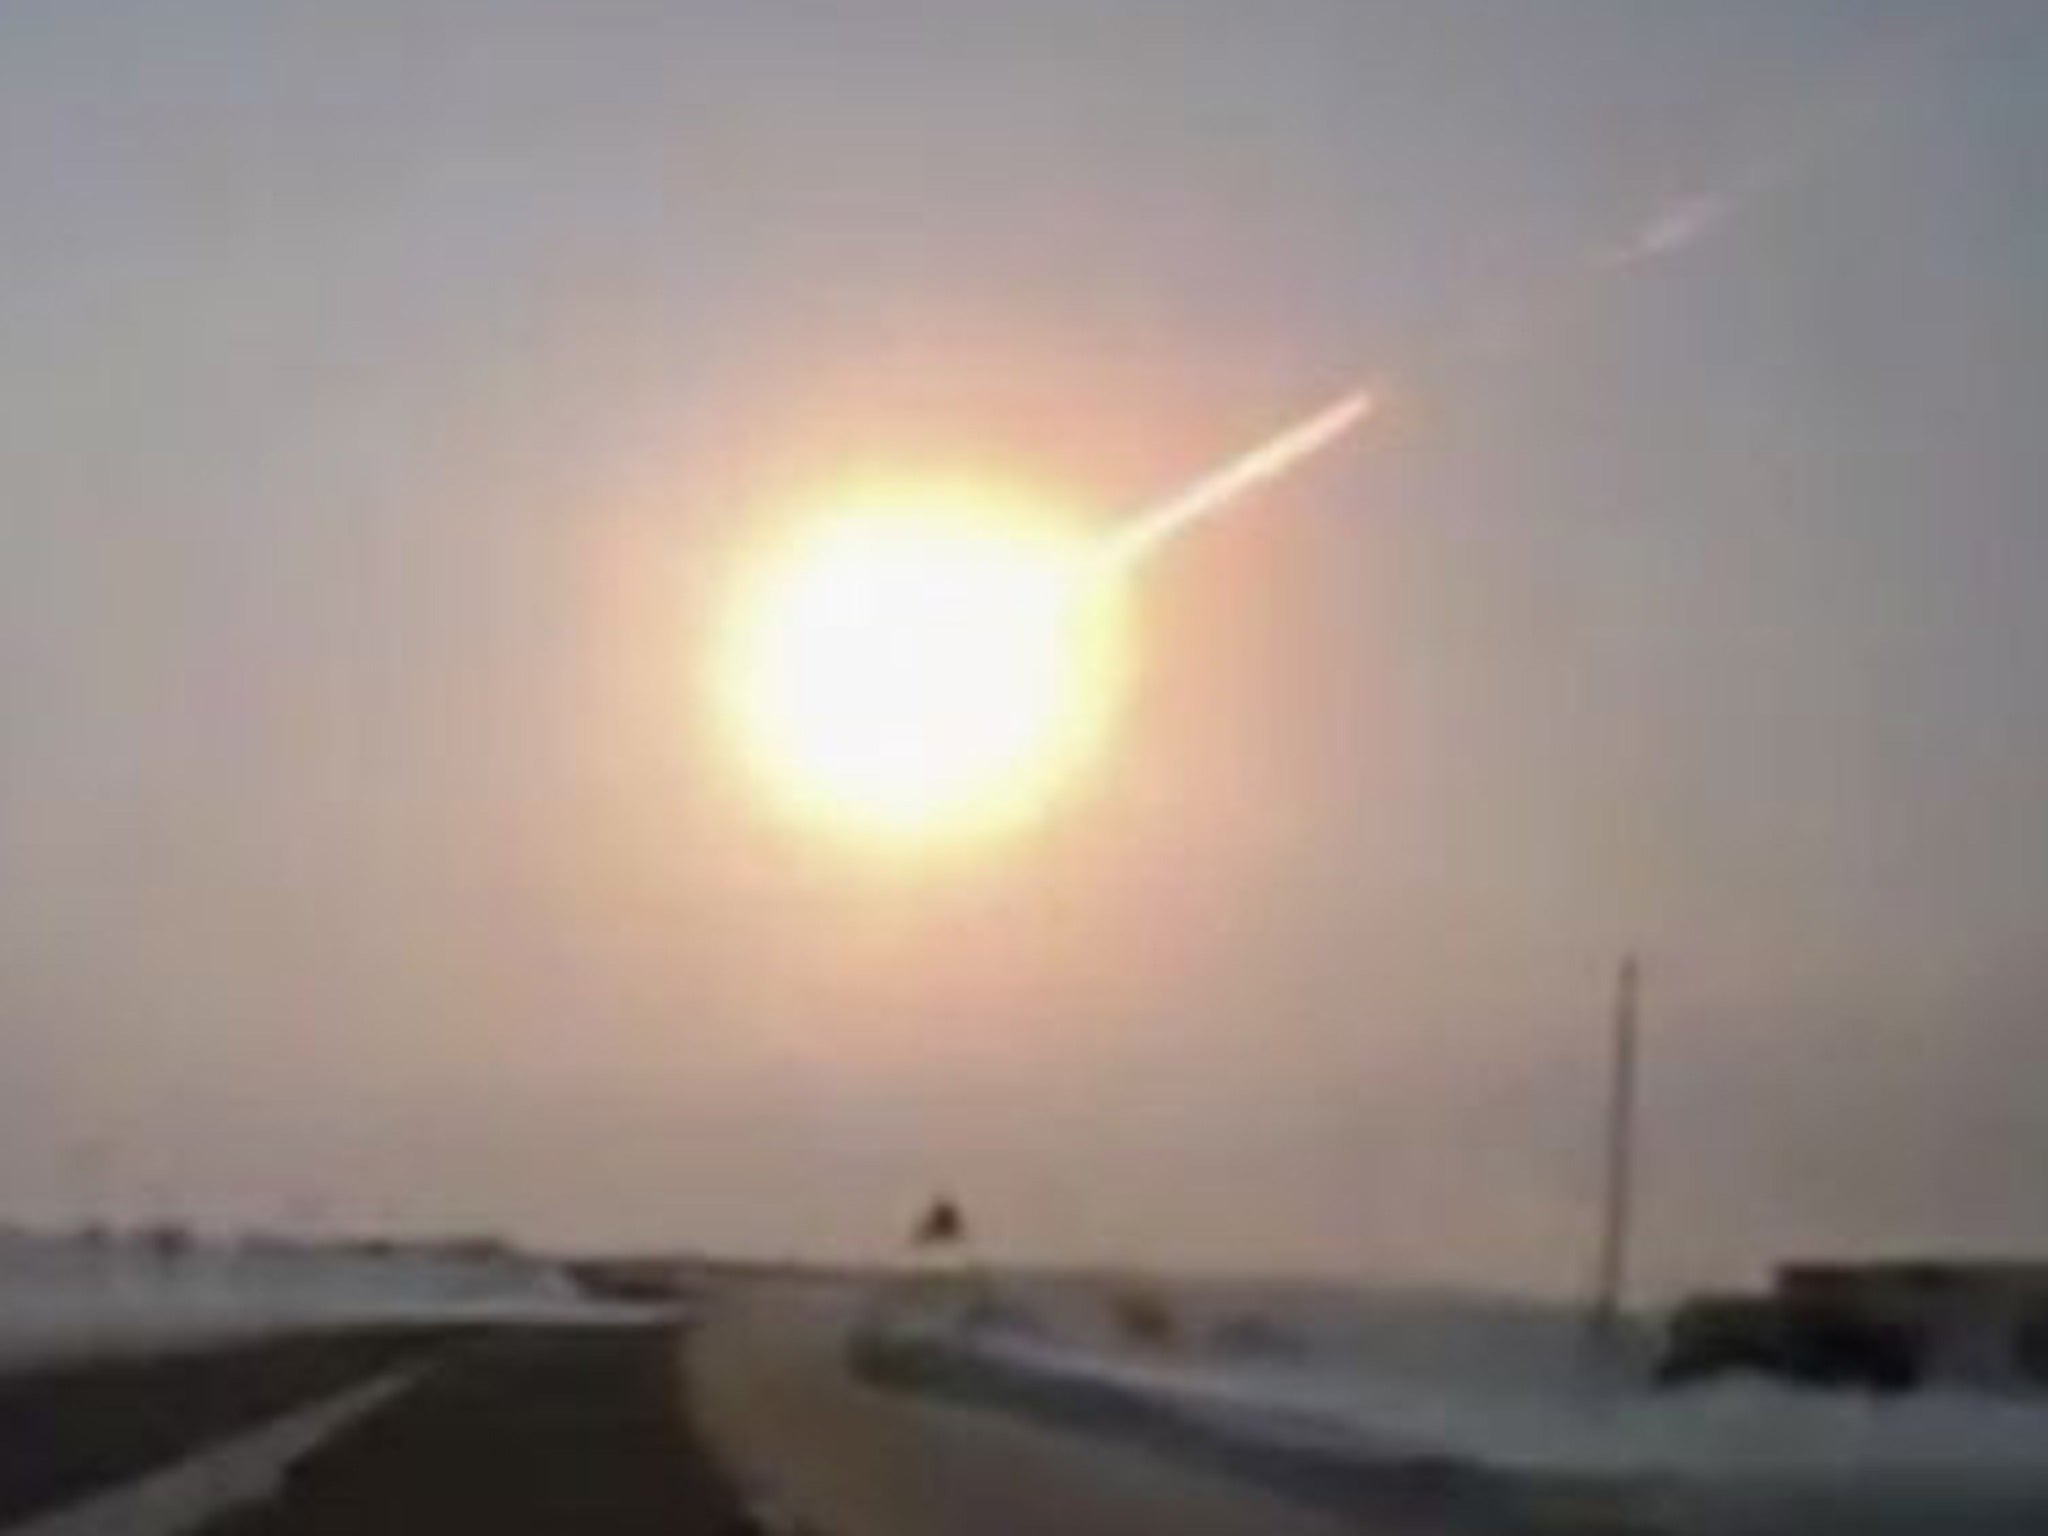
71,1296
1501,1387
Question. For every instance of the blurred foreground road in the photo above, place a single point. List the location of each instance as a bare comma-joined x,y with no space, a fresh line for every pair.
841,1458
549,1433
520,1432
751,1421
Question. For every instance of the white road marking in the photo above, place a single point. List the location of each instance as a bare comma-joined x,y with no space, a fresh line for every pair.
220,1477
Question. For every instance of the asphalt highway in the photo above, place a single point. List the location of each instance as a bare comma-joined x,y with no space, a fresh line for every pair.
827,1452
752,1420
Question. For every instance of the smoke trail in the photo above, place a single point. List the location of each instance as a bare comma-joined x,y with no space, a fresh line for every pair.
1671,230
1217,491
1840,115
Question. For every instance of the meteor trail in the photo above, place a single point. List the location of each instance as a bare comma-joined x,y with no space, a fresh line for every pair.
1217,491
1675,227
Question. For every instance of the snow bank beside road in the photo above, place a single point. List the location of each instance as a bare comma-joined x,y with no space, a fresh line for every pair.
1733,1427
66,1297
1335,1427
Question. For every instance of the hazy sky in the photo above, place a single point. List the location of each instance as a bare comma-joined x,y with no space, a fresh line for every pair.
386,391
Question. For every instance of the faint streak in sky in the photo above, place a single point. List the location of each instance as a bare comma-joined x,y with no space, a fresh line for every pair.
1225,487
1679,224
1669,231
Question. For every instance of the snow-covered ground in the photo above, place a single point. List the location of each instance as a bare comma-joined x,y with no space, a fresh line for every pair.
67,1296
1503,1386
1731,1427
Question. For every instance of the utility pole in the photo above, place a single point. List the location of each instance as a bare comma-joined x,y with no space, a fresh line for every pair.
1610,1288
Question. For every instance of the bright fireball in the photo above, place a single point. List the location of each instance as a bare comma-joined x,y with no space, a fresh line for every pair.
922,664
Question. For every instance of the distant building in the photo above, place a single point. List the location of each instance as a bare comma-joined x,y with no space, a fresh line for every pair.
1892,1325
1983,1322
